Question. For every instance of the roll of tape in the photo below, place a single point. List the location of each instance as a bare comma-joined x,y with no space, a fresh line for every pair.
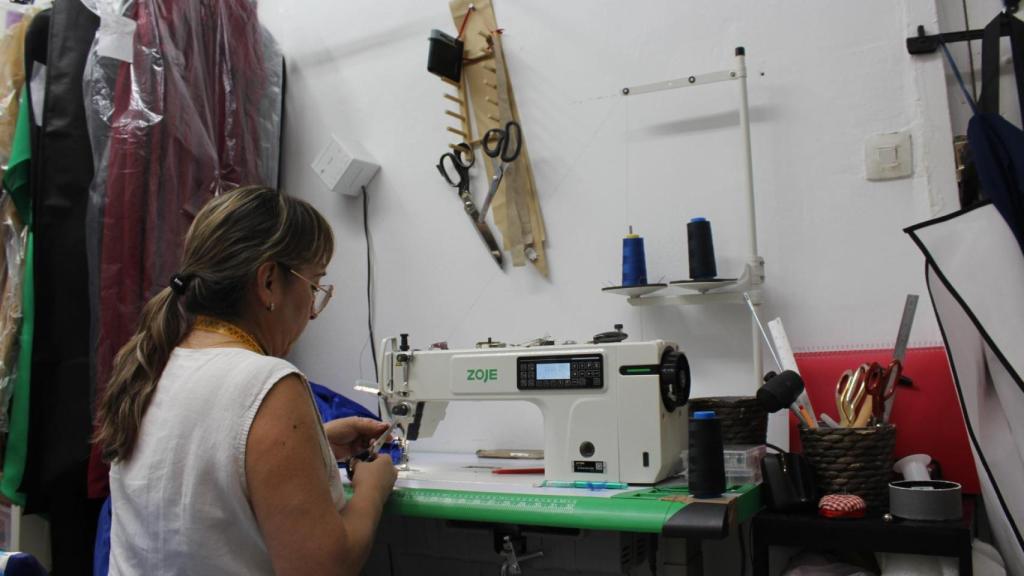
934,500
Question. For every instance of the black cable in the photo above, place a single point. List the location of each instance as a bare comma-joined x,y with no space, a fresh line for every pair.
369,287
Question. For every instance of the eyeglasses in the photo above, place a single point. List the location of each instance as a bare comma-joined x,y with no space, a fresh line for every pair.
321,295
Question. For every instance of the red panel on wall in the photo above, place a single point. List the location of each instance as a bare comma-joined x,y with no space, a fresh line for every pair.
927,416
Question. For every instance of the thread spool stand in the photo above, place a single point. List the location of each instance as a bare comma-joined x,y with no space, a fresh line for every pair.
752,276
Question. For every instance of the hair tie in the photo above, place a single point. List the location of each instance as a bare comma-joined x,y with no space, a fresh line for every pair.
178,283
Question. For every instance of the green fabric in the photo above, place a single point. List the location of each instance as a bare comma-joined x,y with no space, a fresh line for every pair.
16,183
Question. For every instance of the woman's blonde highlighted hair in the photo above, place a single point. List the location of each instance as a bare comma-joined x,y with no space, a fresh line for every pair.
229,239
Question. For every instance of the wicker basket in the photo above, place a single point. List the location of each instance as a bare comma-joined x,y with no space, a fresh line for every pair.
743,419
852,461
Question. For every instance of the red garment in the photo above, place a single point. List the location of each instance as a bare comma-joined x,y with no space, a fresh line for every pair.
184,127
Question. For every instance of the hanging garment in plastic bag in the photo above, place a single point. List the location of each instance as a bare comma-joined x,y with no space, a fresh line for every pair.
16,183
194,113
12,78
975,275
14,235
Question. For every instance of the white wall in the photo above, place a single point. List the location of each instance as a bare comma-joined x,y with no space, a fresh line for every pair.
823,76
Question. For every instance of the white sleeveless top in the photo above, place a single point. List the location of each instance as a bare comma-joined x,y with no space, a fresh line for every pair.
180,503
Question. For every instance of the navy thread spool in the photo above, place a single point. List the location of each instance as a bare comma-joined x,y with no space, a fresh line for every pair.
706,461
634,263
701,248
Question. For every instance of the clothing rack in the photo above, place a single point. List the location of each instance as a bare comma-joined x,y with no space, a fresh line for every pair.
927,44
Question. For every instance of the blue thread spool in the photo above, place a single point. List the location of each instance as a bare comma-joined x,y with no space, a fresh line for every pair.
634,263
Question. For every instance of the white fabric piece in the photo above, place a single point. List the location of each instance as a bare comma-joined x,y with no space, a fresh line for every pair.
817,564
985,562
975,275
980,258
180,504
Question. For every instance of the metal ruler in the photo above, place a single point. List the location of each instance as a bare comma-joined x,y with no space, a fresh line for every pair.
486,500
906,322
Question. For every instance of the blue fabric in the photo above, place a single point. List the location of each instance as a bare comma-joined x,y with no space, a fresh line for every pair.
329,404
22,564
333,405
101,553
998,150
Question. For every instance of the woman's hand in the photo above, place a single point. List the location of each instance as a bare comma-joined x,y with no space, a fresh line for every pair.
352,436
376,477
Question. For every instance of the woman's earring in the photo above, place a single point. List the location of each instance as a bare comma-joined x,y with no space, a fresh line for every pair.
271,307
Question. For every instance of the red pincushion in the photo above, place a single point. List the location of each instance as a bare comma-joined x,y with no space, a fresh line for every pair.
842,506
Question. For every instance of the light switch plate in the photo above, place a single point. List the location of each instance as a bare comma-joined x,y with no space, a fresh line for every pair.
888,156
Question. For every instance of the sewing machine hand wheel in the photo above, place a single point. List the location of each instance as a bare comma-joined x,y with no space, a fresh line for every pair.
674,379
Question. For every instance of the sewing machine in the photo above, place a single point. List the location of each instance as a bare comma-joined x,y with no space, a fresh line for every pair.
612,411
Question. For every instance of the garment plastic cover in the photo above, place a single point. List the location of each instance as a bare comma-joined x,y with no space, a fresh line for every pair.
12,75
195,113
14,236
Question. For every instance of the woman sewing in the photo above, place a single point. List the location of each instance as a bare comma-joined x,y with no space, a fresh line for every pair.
219,462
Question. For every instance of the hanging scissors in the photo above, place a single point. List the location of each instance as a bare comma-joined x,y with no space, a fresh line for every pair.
502,146
454,166
881,384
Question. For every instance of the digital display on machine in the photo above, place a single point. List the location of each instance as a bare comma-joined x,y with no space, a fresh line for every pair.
560,372
551,371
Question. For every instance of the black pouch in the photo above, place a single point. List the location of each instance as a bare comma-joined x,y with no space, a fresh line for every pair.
788,482
445,56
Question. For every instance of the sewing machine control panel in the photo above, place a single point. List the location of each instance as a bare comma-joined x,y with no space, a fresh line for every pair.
571,372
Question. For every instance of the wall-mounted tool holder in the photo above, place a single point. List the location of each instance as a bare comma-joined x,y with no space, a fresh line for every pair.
485,101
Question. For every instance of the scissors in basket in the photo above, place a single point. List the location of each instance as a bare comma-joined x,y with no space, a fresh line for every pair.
852,400
502,146
881,384
454,166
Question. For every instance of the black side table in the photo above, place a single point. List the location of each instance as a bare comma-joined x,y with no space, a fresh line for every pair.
868,534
